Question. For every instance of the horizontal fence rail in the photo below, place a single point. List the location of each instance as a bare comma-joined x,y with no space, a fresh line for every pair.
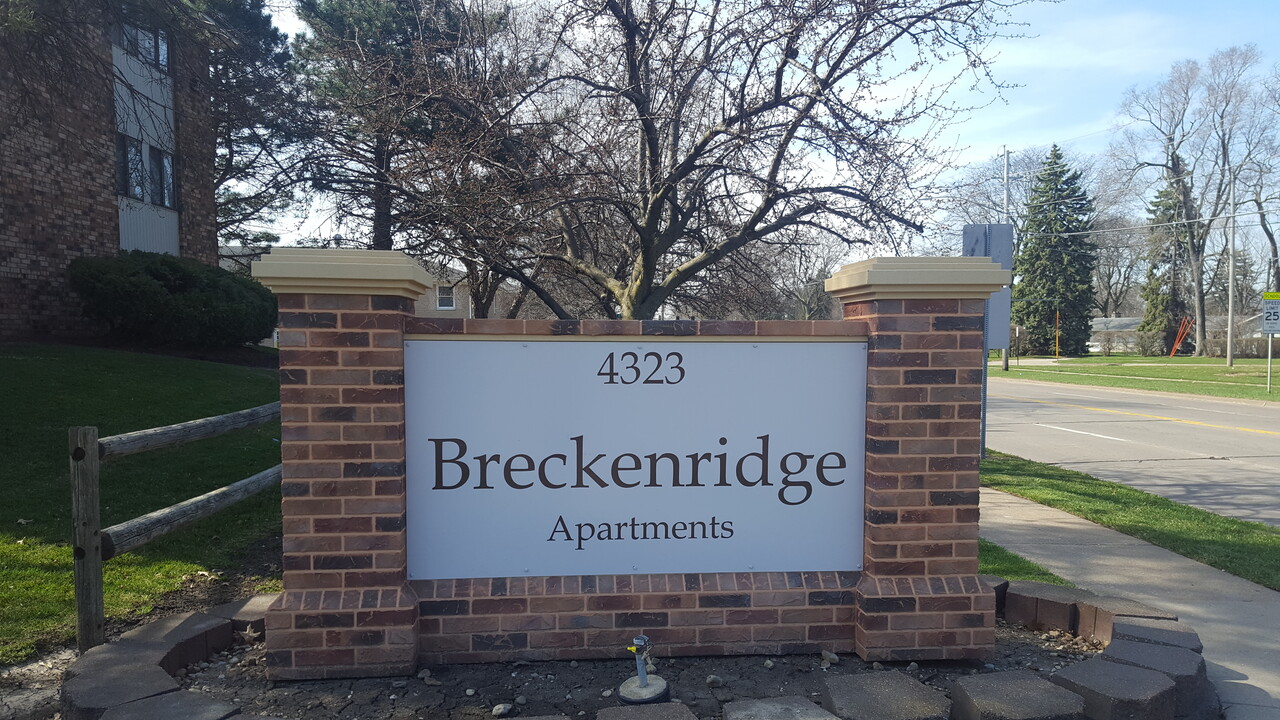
131,534
170,435
93,545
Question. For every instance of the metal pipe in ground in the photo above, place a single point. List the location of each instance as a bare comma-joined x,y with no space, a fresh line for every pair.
643,688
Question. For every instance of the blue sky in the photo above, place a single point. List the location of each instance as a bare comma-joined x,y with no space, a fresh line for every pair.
1082,55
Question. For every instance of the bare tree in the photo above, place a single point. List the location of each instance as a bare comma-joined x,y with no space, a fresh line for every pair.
614,157
1121,253
679,133
1260,173
1191,129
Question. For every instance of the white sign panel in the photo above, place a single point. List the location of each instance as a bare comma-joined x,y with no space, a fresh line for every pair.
535,457
1271,313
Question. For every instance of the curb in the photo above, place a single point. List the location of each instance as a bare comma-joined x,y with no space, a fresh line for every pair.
132,678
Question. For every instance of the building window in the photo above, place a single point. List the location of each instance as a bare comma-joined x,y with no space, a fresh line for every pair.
161,177
131,178
150,46
145,172
444,298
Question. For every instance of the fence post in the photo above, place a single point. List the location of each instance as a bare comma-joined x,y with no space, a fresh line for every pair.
87,541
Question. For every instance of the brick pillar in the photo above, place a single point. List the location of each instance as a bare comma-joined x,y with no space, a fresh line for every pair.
347,609
919,597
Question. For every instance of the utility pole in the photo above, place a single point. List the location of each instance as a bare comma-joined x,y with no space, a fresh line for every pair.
1004,352
1231,282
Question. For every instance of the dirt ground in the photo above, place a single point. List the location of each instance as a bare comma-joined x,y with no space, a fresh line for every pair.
579,689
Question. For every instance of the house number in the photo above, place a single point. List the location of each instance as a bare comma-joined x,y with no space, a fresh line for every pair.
651,368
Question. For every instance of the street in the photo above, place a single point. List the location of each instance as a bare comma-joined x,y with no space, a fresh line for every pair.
1219,455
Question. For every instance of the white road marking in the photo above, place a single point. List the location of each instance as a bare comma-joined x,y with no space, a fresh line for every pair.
1081,432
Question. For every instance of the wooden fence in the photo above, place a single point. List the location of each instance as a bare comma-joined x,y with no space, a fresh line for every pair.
94,545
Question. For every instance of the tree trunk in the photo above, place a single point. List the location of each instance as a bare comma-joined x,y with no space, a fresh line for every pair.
1274,266
381,195
1197,294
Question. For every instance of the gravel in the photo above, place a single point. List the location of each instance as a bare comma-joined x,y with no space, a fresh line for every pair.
581,688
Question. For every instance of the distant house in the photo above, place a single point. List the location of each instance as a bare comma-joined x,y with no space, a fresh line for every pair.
1116,334
121,163
448,296
1121,334
239,258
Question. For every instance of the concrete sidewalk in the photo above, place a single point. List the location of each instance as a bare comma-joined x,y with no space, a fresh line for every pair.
1238,621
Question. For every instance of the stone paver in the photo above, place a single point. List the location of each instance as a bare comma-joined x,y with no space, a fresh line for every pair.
1160,632
657,711
1099,613
1112,691
783,708
249,613
113,656
887,695
1194,696
1043,606
1015,695
86,697
194,636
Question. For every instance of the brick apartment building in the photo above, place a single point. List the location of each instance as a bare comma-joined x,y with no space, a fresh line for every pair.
117,158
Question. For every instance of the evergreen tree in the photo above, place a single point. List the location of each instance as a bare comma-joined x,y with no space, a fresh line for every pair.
1165,291
1055,262
257,120
367,69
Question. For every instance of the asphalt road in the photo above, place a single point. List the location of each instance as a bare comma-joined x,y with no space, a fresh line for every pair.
1220,455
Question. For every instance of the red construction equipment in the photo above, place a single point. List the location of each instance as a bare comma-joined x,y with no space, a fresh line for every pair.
1184,329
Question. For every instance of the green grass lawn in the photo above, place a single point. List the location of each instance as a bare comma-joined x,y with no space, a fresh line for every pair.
995,560
1197,376
1245,549
50,388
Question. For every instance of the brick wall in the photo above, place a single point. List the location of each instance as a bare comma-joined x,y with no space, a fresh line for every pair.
57,195
345,609
919,597
596,616
197,224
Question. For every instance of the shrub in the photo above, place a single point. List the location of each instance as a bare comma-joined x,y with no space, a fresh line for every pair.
1151,343
158,299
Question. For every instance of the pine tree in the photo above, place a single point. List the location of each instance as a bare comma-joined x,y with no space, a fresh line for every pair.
1055,262
367,67
1164,293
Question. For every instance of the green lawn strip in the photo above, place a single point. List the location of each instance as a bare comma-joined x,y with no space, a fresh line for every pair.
51,388
1246,549
1218,388
995,560
1239,375
1133,359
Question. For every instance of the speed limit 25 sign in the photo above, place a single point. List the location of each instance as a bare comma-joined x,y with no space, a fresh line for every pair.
1271,313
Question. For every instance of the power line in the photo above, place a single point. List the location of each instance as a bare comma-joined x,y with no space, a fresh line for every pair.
1149,226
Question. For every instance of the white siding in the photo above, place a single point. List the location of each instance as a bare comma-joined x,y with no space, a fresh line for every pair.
144,226
144,101
144,111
